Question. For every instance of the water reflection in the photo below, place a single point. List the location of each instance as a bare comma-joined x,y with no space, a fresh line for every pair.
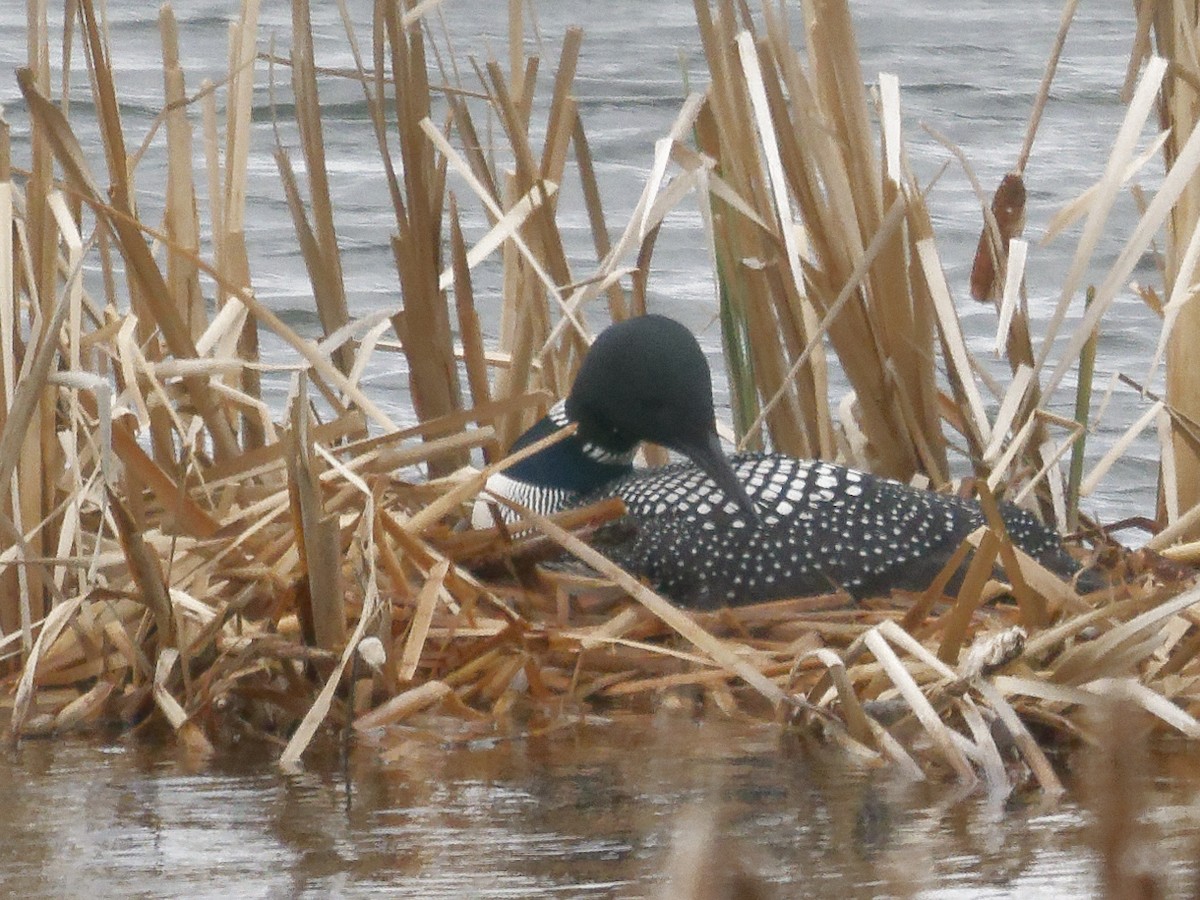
587,812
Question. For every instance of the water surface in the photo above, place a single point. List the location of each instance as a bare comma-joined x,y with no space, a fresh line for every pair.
588,811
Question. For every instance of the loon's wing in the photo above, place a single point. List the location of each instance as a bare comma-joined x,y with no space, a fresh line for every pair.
823,527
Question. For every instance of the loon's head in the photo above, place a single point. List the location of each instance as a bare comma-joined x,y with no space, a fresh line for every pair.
646,379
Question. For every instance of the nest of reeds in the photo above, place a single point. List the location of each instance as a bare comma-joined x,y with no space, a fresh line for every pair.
172,553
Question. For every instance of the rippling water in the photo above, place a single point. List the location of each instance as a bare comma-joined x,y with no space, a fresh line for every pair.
590,812
591,815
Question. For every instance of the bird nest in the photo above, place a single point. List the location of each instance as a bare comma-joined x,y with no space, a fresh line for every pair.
344,602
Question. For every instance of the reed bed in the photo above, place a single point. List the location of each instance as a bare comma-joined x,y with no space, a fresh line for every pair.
175,552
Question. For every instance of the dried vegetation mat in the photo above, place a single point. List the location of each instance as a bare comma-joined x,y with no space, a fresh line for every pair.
346,600
173,551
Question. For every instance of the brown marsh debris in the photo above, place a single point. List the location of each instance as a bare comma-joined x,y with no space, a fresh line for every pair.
175,551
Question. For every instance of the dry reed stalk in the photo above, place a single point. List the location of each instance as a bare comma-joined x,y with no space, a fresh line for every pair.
474,358
618,308
920,705
318,539
954,623
321,256
31,499
145,277
1157,212
229,244
535,265
146,569
403,705
423,328
181,216
811,122
1174,30
13,612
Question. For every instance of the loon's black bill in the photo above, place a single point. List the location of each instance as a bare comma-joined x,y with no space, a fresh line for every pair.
712,459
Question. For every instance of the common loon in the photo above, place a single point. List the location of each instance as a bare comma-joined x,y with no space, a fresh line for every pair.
719,530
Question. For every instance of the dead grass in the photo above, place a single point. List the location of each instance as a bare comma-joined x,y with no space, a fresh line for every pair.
172,549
